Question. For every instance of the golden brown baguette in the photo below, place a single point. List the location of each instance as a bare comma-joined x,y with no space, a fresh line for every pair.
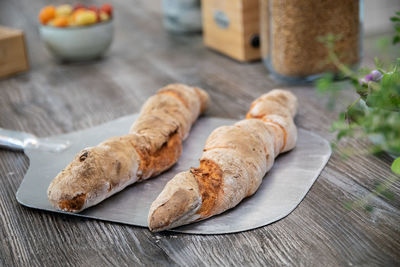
153,145
233,164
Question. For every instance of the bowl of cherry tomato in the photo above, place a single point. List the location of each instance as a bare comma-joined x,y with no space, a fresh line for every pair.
75,33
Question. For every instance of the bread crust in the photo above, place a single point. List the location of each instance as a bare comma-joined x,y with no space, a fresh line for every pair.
153,145
178,202
235,159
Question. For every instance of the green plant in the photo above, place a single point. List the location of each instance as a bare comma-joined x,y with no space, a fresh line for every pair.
396,20
375,113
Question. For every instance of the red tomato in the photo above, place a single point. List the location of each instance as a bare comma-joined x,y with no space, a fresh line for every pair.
98,15
107,8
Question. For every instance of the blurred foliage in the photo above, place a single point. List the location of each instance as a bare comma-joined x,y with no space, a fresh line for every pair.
375,114
396,21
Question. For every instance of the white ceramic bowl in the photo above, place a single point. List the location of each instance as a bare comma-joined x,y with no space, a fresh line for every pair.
78,43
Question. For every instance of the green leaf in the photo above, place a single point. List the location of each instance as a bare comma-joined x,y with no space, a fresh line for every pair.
342,134
394,19
391,80
388,195
348,205
333,146
324,83
383,43
368,208
396,166
379,63
396,39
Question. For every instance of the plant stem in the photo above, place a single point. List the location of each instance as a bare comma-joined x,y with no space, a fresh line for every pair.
355,102
343,68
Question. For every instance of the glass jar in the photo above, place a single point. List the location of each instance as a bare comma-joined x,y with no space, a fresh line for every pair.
290,30
182,16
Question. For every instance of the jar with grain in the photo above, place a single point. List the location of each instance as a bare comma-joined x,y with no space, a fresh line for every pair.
290,33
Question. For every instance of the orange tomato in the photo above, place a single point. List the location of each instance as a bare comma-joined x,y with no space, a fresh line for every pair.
46,14
60,21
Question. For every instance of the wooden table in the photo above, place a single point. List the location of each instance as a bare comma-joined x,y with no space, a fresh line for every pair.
54,98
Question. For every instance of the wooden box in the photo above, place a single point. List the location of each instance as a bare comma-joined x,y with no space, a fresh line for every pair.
13,56
232,27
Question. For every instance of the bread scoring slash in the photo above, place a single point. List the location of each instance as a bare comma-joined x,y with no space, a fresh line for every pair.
153,145
234,161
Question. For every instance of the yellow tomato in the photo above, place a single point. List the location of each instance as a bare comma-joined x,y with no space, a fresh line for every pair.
86,17
63,10
104,16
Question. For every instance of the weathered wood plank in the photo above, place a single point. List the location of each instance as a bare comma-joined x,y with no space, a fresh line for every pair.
53,99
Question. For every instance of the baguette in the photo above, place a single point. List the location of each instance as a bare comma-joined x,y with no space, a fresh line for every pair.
233,164
153,145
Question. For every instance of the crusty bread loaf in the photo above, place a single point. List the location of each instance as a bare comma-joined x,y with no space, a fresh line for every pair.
233,164
153,145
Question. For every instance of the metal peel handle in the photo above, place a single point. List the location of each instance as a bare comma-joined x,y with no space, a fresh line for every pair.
11,143
18,141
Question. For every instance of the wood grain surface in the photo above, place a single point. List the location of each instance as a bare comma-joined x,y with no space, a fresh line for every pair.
54,98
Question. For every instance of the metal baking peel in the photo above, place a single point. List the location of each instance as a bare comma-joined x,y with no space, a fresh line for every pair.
282,189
